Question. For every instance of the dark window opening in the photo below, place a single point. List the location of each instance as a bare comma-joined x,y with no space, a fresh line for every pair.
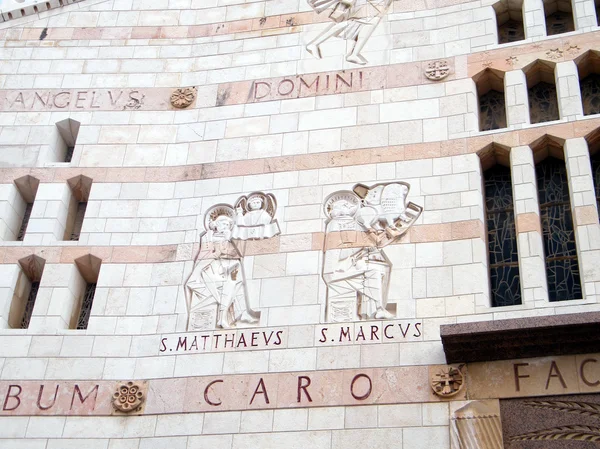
590,94
562,267
28,312
559,22
69,154
78,221
25,222
86,306
502,237
511,31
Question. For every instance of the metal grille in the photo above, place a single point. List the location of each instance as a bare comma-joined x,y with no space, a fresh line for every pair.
35,286
79,216
25,222
69,154
502,238
86,306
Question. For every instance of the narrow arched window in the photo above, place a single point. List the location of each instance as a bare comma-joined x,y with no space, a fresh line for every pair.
588,69
490,95
562,267
509,19
541,90
502,237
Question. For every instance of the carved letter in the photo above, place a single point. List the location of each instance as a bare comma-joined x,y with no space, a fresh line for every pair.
92,105
518,376
555,372
39,399
345,333
309,86
303,387
181,343
61,105
163,347
282,92
19,99
77,391
113,101
10,395
256,85
206,398
582,374
40,99
323,338
385,331
339,78
80,98
263,390
369,390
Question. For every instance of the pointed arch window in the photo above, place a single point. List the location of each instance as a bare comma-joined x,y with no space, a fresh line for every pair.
502,237
562,266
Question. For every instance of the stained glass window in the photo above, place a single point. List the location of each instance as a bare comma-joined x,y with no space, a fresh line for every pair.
590,94
492,112
562,268
543,104
502,237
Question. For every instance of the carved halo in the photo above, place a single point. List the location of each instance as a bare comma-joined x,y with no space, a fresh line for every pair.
342,195
217,211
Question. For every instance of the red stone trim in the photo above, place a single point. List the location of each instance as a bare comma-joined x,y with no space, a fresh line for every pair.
459,230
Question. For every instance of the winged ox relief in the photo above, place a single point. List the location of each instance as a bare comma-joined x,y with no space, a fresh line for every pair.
216,290
351,20
360,224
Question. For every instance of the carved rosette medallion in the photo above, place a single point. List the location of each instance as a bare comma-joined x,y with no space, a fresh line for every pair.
437,70
447,381
183,97
128,398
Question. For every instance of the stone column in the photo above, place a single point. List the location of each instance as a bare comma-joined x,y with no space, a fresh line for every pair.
534,19
49,214
517,102
58,299
530,243
584,14
585,214
568,91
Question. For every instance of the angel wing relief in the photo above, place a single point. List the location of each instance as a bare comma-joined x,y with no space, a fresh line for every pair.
351,20
360,224
216,290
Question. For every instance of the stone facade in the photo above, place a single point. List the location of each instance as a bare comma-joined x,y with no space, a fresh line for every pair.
146,300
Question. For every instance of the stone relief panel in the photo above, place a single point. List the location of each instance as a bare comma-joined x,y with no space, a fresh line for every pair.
352,20
360,224
476,425
565,422
216,290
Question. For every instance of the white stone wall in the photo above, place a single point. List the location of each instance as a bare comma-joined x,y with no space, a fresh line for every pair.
157,170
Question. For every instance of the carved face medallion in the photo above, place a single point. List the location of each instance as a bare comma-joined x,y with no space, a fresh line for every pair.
128,398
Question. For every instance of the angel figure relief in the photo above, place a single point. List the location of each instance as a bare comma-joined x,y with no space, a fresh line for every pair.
216,290
356,270
353,20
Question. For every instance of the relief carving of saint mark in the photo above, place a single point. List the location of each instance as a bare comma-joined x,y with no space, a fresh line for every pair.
356,270
216,290
353,20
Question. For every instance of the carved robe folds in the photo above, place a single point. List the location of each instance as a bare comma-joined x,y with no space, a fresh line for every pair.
216,289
